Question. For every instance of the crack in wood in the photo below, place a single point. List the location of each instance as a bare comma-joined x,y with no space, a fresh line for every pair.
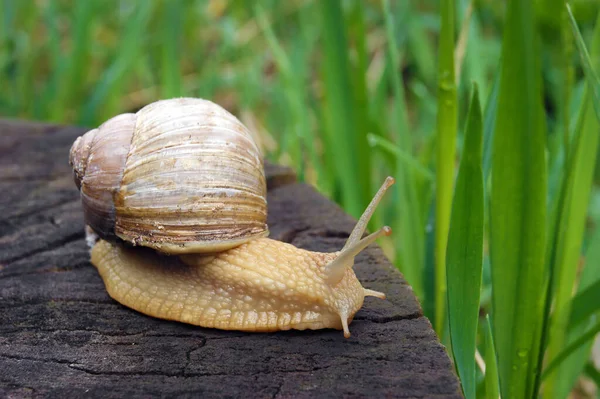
108,334
56,269
32,211
181,373
50,246
188,354
34,359
25,178
327,233
6,303
278,390
389,319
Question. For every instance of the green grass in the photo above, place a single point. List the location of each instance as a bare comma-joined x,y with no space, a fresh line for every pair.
491,383
350,92
577,188
464,257
518,207
447,114
409,220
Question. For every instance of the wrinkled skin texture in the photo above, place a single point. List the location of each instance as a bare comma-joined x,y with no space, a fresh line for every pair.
263,285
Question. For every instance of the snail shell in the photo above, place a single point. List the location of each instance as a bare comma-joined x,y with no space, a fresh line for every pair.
179,176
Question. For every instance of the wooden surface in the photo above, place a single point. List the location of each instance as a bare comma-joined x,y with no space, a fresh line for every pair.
61,335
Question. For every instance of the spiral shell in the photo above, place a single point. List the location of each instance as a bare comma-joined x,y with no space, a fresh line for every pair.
180,176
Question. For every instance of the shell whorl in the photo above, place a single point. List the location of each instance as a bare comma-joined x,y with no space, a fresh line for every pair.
98,160
180,175
78,156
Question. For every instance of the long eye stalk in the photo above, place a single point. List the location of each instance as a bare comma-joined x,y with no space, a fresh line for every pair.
360,227
336,269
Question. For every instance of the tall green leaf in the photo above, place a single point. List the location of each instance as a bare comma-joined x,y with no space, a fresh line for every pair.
582,340
476,67
340,109
464,256
590,73
587,300
518,207
492,390
489,122
446,150
170,56
400,116
585,305
357,35
410,225
579,177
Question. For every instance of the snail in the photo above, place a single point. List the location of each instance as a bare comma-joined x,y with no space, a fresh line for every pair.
177,195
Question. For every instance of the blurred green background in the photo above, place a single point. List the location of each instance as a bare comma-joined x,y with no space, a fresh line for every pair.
345,92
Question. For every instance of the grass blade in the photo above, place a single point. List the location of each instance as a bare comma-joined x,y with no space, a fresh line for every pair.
419,46
489,125
284,67
446,150
518,207
482,56
464,257
492,390
585,338
406,159
363,162
591,372
463,38
170,49
586,302
24,54
400,113
590,74
339,109
579,175
559,50
57,60
125,57
585,309
568,72
70,80
294,83
409,221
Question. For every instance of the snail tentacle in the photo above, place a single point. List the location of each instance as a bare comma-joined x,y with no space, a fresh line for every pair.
345,260
361,225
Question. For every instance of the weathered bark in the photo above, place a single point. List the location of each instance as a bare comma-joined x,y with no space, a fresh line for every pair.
61,335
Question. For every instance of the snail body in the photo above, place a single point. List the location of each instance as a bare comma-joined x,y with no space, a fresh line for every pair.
262,285
166,193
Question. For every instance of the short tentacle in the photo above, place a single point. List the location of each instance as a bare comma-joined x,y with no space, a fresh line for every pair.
345,325
376,294
336,268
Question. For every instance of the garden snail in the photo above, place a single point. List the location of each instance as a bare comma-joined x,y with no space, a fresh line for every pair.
184,177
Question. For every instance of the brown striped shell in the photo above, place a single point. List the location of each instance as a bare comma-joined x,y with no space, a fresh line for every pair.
180,176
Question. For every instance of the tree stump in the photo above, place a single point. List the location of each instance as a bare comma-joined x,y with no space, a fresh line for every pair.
61,335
